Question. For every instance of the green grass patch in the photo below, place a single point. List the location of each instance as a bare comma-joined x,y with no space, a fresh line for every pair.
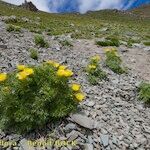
40,41
113,62
66,43
144,92
146,43
33,53
11,28
109,42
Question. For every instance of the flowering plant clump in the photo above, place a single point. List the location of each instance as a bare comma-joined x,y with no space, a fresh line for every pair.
113,60
95,73
32,96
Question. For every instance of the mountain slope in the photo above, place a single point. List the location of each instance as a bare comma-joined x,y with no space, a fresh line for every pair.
143,11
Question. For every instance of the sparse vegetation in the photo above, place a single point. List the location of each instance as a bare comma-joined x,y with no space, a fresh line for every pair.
95,73
14,28
113,61
33,96
79,26
66,43
39,40
147,43
109,42
144,92
33,53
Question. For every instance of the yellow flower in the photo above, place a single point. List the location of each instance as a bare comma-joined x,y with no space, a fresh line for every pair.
21,67
22,75
53,63
61,72
109,49
75,87
3,77
64,73
68,73
92,67
96,57
50,62
62,67
28,71
80,97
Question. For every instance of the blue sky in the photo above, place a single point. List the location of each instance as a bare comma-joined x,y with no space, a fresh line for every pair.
81,6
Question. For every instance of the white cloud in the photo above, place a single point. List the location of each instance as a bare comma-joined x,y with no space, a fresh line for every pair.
83,5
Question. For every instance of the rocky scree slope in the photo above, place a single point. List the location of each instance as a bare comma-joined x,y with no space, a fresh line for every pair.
111,117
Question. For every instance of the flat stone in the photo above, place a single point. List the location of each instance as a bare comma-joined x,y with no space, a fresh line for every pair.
90,103
72,135
3,46
70,126
105,140
88,147
25,146
114,140
83,121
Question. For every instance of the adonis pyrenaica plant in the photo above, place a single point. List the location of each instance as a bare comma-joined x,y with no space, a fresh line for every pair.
35,95
95,73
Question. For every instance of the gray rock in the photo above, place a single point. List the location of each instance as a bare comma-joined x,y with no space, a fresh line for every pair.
72,135
70,126
83,121
88,147
114,140
90,103
3,46
25,146
105,140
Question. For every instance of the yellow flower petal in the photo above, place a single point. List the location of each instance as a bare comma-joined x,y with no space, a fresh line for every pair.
68,73
96,57
62,67
80,97
55,64
61,72
28,71
3,77
21,75
75,87
50,62
21,67
92,67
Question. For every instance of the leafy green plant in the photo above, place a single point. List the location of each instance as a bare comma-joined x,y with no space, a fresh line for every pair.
146,43
33,53
39,40
34,96
14,28
144,92
95,73
113,61
109,42
66,43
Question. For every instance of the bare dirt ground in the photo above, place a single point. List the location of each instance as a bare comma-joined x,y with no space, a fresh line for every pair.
136,59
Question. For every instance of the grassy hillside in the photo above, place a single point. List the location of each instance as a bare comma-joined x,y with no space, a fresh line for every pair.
91,25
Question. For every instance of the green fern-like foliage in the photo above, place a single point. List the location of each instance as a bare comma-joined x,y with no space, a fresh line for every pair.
35,96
